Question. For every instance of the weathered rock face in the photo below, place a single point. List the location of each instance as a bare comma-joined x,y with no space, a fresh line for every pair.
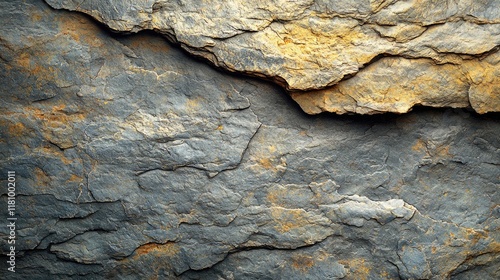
134,161
401,53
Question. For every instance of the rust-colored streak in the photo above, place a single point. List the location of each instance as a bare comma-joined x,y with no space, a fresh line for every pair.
168,249
80,30
358,268
302,262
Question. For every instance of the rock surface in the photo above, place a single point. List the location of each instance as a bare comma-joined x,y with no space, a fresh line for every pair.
339,56
134,161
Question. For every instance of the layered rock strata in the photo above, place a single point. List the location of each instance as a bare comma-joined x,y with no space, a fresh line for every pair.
343,56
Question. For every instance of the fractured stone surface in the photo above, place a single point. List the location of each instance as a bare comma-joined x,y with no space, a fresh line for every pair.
401,53
135,161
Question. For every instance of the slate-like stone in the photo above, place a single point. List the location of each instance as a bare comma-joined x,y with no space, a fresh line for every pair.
401,53
135,161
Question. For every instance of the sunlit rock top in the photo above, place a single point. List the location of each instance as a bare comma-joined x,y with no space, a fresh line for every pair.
339,56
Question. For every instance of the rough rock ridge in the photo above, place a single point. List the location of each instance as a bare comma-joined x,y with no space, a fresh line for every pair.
339,56
134,161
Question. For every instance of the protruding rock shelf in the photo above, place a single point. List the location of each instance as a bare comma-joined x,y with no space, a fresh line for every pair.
342,56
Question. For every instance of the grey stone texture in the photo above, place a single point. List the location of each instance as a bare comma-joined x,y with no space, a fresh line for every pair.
134,160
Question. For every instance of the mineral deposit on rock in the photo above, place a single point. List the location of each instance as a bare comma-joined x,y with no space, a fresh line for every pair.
135,161
339,56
